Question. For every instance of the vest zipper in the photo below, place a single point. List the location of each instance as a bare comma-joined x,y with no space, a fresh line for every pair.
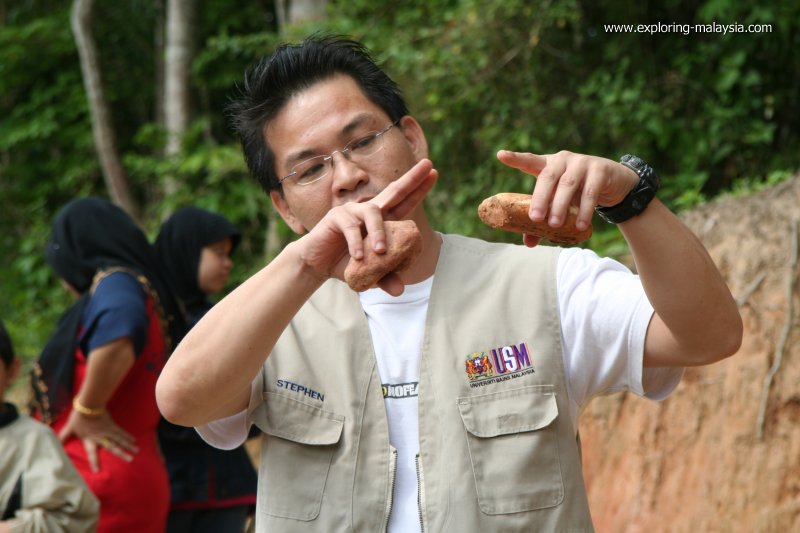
420,496
392,477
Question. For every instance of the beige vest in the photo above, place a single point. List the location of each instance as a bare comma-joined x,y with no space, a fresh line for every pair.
53,496
497,448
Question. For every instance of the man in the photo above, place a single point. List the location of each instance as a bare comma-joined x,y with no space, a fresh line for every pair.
370,417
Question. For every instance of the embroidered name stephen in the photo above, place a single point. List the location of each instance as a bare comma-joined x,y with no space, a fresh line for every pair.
295,387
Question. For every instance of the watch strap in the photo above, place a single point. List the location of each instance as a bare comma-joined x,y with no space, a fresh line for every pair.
637,200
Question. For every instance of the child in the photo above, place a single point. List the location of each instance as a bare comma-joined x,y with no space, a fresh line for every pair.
40,491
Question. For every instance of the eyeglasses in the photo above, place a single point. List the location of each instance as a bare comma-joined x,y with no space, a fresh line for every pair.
357,150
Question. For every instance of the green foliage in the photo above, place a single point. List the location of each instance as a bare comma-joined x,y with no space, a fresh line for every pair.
712,112
208,175
544,76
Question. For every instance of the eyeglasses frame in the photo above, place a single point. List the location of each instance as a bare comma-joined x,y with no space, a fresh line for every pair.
344,151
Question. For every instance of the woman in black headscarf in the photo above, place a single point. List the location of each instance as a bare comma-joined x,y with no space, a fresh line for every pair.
94,383
212,490
193,250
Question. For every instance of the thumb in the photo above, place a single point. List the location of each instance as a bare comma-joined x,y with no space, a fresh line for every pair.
524,161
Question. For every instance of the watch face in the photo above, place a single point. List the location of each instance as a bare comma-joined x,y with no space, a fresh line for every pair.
644,170
636,162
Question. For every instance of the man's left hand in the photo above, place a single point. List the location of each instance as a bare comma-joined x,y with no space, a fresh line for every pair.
566,179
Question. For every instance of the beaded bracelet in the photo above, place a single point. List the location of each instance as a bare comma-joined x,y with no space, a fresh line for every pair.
87,411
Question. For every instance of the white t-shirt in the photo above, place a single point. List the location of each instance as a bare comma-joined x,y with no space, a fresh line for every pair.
601,356
398,326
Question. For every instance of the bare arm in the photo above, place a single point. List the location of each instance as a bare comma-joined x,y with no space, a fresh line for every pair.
696,319
106,367
208,376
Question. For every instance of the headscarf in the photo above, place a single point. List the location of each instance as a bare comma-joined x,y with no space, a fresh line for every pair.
90,235
6,348
8,412
179,245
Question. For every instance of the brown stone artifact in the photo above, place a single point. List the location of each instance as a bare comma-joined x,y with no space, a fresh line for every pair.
509,211
403,246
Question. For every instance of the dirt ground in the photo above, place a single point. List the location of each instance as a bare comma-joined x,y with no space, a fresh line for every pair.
705,459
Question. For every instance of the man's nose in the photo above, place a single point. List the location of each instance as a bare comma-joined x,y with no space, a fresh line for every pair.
346,173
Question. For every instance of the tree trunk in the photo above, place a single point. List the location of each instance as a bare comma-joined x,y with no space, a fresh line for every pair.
158,43
293,11
102,128
179,53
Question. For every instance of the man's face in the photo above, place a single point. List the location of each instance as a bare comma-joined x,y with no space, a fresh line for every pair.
323,119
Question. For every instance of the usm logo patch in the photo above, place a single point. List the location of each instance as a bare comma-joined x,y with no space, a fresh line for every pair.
498,364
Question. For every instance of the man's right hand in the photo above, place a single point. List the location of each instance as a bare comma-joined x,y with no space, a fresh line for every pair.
328,247
197,384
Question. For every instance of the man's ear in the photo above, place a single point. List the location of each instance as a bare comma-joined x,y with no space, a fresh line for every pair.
286,212
415,136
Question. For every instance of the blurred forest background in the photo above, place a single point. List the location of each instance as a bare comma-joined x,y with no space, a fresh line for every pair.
715,113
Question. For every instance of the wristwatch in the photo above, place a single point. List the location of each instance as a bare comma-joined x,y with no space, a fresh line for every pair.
640,196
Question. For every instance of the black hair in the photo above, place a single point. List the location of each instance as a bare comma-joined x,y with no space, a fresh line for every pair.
6,348
292,68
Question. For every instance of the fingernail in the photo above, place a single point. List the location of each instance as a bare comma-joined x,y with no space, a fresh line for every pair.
537,214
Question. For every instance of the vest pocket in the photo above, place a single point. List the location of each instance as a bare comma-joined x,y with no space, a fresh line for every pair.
513,447
299,446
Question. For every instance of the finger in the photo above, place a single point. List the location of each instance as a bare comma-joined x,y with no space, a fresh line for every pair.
373,222
530,240
543,191
115,449
91,455
125,441
354,238
410,202
344,220
566,192
392,284
526,162
407,185
588,200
